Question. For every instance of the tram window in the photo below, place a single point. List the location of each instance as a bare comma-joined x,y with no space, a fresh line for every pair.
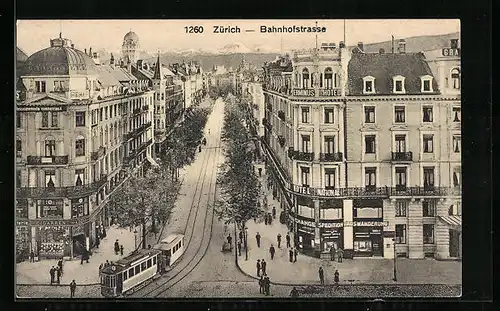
154,260
143,266
124,275
131,272
137,269
113,281
168,253
175,249
149,263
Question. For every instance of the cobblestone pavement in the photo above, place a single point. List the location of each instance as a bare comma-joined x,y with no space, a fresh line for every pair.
60,291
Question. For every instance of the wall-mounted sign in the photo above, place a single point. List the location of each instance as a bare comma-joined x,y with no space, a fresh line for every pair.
329,92
303,92
451,52
366,223
58,223
314,191
40,108
78,94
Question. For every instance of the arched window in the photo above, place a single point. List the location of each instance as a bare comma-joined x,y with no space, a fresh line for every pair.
329,78
455,78
80,146
50,146
305,78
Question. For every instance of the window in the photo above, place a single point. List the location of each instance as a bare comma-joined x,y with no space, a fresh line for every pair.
370,179
18,119
305,115
55,119
80,146
154,260
50,176
457,114
19,150
367,212
331,213
328,78
401,177
100,114
329,178
105,113
80,118
457,143
428,142
400,141
137,269
94,116
398,84
429,208
428,233
426,85
305,78
79,207
370,144
329,115
143,266
149,263
457,178
125,276
50,208
40,86
79,177
131,272
368,85
427,114
369,114
329,144
455,78
400,234
401,208
399,114
45,119
111,112
50,147
306,143
455,209
428,177
305,175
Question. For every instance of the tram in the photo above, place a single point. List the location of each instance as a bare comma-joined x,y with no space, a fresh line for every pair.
172,248
131,272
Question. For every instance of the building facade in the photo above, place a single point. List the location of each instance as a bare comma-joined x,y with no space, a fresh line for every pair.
81,127
364,152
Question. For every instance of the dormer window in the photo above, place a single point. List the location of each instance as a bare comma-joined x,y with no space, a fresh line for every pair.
426,83
368,85
455,78
399,85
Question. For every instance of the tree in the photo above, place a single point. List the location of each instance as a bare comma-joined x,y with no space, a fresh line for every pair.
144,199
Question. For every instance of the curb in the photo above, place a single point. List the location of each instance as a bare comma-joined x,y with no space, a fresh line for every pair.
56,285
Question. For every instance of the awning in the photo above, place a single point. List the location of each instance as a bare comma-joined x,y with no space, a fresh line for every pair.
452,220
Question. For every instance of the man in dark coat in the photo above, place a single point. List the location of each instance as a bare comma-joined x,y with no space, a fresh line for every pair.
97,241
260,171
332,253
52,272
257,237
261,285
117,247
290,254
321,276
121,249
60,265
270,219
272,251
32,256
274,212
259,266
265,219
229,240
263,264
336,276
72,288
340,254
241,236
278,238
288,240
239,248
58,275
267,283
295,252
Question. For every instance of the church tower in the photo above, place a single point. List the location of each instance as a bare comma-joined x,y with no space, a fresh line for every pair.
130,47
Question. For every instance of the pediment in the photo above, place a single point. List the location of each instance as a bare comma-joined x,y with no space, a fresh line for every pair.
48,100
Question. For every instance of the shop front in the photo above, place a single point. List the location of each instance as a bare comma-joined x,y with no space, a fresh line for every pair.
305,237
23,236
53,241
368,241
332,237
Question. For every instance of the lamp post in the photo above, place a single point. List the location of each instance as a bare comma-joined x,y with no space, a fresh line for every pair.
394,278
135,238
246,243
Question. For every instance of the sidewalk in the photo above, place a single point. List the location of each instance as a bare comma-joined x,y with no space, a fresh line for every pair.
356,271
88,273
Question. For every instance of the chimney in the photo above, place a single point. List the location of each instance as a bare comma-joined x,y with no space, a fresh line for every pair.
381,51
341,45
402,46
90,52
139,64
72,46
454,43
86,52
360,46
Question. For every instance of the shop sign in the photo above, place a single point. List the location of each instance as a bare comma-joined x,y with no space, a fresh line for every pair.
366,223
451,52
21,223
305,222
31,108
331,224
50,223
389,234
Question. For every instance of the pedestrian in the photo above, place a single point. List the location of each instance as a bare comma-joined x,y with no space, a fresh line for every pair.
85,256
267,286
261,285
278,237
288,240
274,212
265,219
52,272
199,148
260,171
272,251
117,247
295,252
336,276
263,264
229,239
294,293
257,237
270,219
332,254
290,254
97,241
321,276
32,256
259,266
121,249
241,236
340,254
58,275
239,248
72,288
60,265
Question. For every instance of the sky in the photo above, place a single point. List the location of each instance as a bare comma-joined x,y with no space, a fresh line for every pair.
168,35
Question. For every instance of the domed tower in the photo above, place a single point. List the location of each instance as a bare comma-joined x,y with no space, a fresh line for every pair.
130,47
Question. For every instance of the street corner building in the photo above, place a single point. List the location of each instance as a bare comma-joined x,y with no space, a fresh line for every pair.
364,149
82,127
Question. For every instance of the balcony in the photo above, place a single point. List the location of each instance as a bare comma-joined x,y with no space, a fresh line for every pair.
402,190
402,156
62,192
50,160
331,157
137,131
354,192
301,156
95,155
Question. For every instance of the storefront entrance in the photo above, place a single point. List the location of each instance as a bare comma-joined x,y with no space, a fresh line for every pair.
368,242
454,243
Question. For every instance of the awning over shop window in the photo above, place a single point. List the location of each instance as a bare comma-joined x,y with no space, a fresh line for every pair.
455,221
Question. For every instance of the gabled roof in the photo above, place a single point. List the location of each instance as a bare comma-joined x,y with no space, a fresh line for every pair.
383,67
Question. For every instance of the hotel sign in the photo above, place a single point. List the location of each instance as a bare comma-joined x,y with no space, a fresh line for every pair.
329,92
40,108
55,223
313,191
304,92
78,95
312,92
451,52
